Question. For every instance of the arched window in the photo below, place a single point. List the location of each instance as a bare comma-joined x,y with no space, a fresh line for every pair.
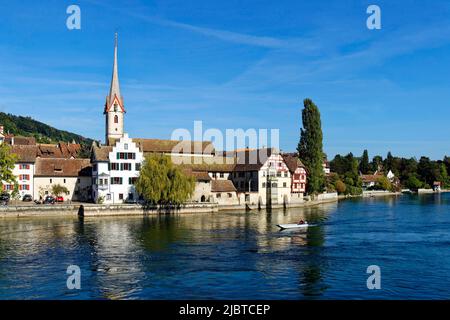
116,119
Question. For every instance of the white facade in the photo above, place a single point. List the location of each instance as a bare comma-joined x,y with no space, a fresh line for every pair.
78,187
280,177
271,183
113,180
24,172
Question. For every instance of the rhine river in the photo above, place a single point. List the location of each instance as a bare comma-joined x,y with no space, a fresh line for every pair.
236,255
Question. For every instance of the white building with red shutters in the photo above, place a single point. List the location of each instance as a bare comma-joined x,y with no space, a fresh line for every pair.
262,176
23,169
298,173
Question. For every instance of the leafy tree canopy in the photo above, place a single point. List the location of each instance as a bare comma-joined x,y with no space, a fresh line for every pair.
161,182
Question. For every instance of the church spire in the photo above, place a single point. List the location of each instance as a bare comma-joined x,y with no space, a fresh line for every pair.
114,110
114,97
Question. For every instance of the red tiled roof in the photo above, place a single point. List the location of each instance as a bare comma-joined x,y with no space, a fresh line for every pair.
292,162
24,153
174,146
62,167
222,186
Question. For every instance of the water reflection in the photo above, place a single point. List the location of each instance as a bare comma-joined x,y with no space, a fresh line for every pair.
218,255
115,257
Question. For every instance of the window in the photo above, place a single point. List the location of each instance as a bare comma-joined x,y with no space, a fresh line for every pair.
120,196
274,185
219,195
95,167
24,166
132,180
278,174
114,166
125,167
286,174
51,180
230,195
138,167
284,184
125,146
64,180
116,118
130,196
221,174
24,177
213,174
108,196
116,180
126,155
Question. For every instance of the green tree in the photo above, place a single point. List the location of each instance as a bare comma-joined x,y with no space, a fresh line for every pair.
160,182
7,163
383,183
364,165
389,162
377,161
310,147
413,182
340,187
58,190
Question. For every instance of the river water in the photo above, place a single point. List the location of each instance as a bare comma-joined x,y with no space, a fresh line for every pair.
236,255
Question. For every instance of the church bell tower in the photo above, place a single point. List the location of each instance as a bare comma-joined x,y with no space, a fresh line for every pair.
114,108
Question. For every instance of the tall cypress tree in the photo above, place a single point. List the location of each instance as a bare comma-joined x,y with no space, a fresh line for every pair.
310,147
364,166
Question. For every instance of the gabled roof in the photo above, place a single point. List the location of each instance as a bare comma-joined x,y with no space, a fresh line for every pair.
292,162
61,150
252,159
63,168
222,186
101,153
174,146
24,153
198,175
207,164
370,177
19,140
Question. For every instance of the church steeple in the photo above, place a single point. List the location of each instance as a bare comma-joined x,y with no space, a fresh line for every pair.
114,90
114,108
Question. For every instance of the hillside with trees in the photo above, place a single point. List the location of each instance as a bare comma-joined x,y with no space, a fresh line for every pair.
43,133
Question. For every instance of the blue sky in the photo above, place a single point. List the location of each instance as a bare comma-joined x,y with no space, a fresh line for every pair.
237,64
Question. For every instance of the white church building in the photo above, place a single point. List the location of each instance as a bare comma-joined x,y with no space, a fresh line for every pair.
116,165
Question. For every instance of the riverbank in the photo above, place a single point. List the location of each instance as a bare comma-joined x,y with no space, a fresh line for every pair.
95,210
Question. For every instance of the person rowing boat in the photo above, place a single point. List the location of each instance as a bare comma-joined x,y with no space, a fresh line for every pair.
303,222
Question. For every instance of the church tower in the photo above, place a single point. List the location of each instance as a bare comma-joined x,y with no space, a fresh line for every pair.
114,108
